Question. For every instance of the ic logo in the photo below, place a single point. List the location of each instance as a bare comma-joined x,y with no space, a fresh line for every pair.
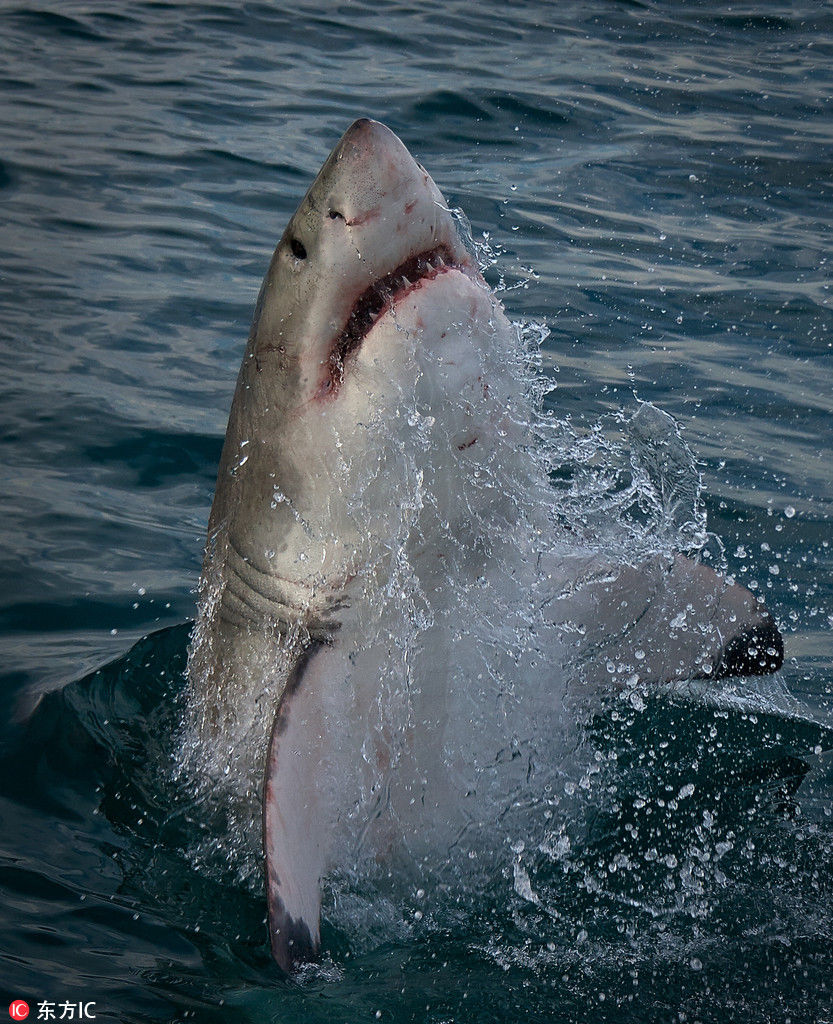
19,1010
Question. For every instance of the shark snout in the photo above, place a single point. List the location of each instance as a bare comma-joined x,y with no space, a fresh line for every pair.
367,139
376,207
371,175
364,131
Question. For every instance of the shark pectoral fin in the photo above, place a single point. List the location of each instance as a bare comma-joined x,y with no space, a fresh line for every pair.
667,619
750,643
700,626
296,812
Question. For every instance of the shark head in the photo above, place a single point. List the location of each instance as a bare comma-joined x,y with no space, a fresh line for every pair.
370,279
372,229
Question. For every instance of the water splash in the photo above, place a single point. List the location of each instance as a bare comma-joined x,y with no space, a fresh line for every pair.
456,727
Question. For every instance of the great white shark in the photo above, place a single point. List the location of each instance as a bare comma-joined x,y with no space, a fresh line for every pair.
383,575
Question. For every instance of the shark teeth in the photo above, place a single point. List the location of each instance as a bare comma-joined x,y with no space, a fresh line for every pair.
374,300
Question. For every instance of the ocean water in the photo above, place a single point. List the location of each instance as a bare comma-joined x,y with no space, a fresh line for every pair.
655,180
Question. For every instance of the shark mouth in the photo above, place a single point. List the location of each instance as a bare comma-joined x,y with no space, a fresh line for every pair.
375,300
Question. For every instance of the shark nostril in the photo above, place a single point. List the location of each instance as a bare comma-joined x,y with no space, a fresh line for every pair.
336,215
298,250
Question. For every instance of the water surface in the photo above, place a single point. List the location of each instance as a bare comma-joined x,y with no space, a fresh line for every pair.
657,178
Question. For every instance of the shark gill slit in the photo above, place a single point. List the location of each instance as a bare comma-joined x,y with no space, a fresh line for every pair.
251,596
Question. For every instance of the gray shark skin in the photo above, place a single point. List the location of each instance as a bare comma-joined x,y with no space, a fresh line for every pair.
377,344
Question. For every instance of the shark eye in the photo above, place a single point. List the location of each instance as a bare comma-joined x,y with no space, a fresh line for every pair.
336,215
298,251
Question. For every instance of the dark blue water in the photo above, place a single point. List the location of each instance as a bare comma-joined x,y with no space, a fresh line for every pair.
659,180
